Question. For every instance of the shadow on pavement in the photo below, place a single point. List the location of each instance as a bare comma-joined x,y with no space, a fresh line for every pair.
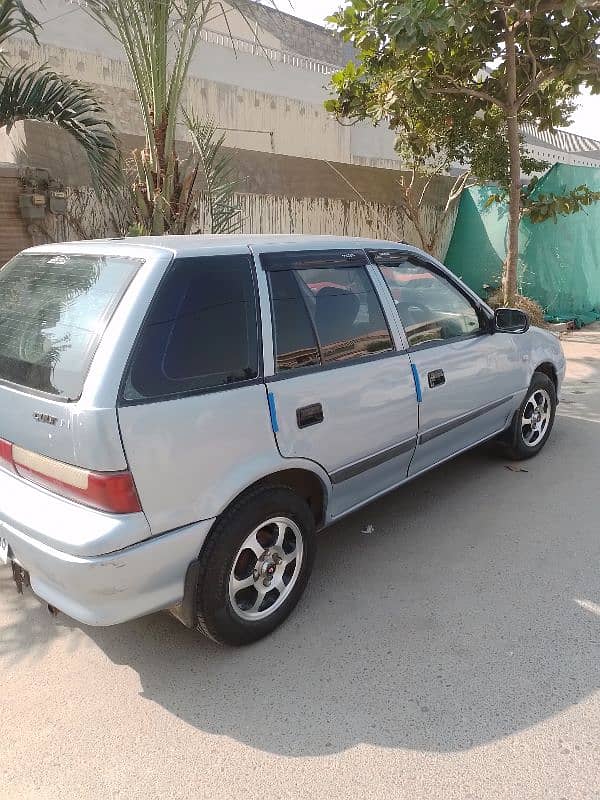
458,622
470,614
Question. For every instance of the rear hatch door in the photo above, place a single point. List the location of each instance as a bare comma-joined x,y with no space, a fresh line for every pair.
55,309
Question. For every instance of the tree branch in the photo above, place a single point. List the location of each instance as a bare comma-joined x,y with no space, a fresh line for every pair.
531,54
470,93
457,188
543,77
428,184
361,197
413,177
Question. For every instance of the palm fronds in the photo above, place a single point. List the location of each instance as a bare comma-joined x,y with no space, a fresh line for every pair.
15,18
218,169
159,39
41,94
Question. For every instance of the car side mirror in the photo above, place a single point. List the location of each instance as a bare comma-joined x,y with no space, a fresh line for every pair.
510,320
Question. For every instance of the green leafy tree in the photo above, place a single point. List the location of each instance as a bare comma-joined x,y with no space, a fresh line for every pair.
426,138
509,63
159,38
432,137
38,93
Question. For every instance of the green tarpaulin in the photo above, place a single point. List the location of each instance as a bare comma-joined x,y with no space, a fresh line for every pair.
559,262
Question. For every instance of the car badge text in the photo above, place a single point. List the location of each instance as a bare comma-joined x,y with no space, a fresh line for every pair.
47,418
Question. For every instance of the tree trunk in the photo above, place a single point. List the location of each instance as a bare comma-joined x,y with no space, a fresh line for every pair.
509,283
514,211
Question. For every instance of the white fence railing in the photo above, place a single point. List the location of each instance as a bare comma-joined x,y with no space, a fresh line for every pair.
270,53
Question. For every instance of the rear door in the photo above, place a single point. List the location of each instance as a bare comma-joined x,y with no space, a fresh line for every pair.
342,392
193,409
470,380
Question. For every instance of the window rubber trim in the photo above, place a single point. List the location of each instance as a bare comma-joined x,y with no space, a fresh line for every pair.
288,260
354,362
415,348
164,398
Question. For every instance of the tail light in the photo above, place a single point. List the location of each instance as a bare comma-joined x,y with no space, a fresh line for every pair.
106,491
6,455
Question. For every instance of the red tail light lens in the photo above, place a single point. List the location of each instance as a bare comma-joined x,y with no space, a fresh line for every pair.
106,491
6,459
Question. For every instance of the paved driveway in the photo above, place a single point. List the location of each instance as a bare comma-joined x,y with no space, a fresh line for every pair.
454,653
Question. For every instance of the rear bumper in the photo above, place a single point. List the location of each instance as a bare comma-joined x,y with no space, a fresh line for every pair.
63,524
112,588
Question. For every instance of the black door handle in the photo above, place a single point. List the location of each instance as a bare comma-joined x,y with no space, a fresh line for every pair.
436,378
309,415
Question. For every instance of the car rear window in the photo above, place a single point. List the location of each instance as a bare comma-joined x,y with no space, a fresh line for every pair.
201,332
56,306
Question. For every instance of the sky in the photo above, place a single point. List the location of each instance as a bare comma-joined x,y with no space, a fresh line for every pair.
586,120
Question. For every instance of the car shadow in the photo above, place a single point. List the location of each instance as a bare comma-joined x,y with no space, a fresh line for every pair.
470,613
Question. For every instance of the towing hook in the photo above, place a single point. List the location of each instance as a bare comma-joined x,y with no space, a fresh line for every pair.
53,611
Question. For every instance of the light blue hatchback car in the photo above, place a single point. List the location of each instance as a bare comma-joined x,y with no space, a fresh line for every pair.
180,415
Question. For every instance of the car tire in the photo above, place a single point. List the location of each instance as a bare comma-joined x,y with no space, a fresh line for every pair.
263,545
525,439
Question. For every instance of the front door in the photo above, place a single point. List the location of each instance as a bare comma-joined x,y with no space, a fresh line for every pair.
342,395
470,379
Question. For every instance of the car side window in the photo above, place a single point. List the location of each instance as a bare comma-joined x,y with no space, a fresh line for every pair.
294,337
333,309
430,307
201,331
346,313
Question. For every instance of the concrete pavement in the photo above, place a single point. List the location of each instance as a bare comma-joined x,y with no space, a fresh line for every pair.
454,653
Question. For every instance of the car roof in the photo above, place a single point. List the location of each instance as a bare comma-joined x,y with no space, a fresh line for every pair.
189,244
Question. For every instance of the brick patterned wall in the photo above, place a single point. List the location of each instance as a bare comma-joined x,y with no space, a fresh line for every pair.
14,235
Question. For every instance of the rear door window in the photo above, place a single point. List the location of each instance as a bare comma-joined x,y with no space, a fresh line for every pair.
293,333
325,315
201,331
346,312
55,308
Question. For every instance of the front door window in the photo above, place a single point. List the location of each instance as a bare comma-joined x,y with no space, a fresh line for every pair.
430,307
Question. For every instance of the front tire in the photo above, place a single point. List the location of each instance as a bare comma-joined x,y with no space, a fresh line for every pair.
533,422
255,566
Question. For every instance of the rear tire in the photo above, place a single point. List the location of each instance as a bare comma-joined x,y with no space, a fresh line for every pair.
533,422
255,565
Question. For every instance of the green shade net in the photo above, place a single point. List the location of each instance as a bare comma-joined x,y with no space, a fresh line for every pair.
559,263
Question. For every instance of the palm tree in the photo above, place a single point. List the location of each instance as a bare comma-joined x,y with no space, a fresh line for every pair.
159,38
27,92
